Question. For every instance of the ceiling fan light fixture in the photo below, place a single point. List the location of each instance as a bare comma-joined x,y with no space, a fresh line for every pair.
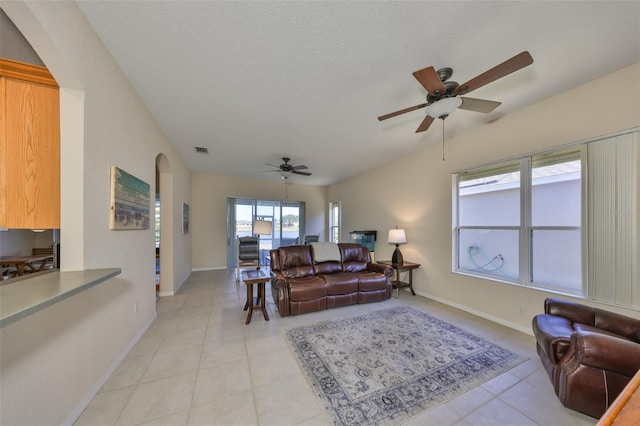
444,107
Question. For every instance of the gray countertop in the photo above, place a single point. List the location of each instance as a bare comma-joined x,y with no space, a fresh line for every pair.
26,297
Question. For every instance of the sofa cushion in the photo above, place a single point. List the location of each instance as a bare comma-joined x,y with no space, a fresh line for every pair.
355,257
307,288
327,267
371,281
341,283
295,261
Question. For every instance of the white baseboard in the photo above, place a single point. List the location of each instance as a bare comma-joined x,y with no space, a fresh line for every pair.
84,402
481,314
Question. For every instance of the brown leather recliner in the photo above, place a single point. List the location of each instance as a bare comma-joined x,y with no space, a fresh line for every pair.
300,284
590,354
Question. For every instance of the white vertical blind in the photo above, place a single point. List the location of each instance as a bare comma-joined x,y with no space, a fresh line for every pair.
614,220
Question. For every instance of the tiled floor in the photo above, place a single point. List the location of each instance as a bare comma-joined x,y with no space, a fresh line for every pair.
199,364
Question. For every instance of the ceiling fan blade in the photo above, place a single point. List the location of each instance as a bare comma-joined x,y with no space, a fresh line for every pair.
478,105
273,165
402,111
300,173
300,167
425,124
430,80
519,61
268,171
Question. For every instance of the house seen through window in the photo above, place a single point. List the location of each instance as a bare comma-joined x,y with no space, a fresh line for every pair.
520,221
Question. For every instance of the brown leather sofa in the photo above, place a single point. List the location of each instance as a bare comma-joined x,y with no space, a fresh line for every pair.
590,354
300,284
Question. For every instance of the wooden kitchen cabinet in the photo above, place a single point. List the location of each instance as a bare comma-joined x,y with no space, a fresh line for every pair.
29,147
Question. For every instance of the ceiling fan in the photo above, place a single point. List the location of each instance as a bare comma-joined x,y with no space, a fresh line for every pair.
442,93
286,169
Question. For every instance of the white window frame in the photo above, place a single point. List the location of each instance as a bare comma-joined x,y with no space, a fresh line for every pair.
335,228
525,228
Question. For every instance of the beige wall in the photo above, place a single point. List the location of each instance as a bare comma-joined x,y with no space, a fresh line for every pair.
209,211
53,361
422,205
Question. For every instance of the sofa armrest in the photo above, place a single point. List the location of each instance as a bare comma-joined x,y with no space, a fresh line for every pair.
604,352
278,280
381,268
553,334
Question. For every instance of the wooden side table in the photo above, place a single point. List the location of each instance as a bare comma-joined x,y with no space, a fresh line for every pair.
405,266
255,276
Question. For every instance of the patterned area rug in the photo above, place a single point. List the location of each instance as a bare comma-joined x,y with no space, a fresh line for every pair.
390,365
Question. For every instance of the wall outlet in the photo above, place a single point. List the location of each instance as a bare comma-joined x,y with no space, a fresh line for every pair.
523,310
136,305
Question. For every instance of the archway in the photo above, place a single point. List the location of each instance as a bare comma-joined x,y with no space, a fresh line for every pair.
164,195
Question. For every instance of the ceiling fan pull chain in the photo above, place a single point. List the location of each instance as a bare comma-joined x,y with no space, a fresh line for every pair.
443,139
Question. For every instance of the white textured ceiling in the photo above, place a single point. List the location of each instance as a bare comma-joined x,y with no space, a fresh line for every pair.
256,81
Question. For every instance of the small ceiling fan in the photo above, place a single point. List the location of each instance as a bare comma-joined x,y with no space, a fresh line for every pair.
442,93
285,169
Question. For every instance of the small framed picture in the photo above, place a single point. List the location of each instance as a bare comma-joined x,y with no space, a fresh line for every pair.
185,218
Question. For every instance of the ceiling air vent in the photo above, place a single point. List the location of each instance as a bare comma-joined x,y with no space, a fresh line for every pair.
201,150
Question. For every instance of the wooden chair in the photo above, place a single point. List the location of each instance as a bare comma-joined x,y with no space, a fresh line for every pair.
44,251
248,254
308,239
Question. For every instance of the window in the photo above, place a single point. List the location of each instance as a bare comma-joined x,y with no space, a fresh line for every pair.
565,221
520,221
334,221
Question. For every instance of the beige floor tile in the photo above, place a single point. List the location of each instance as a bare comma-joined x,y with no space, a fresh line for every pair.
128,373
176,419
223,333
105,408
528,400
469,401
501,383
273,366
257,345
274,402
226,314
234,410
316,421
186,322
525,369
221,381
158,399
215,353
441,415
147,345
497,413
165,364
183,340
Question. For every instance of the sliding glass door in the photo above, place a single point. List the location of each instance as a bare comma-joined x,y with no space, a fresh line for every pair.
287,218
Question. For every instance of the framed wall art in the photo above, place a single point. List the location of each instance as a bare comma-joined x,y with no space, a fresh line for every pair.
185,218
130,201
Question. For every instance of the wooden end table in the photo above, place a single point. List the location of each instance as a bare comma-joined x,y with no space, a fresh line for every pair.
405,266
255,276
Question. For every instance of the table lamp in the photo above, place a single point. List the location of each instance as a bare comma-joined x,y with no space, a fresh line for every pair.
261,227
397,237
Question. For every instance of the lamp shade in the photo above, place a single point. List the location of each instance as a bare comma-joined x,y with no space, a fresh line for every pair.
397,236
262,227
